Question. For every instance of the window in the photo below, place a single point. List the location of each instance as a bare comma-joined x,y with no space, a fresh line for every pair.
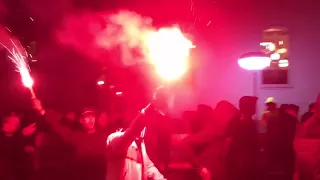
275,76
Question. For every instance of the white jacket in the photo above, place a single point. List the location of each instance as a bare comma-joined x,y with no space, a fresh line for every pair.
125,163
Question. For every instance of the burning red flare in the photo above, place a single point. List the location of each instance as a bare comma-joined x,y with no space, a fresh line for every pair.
167,48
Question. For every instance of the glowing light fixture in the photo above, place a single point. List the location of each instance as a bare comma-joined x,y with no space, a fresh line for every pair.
101,82
254,61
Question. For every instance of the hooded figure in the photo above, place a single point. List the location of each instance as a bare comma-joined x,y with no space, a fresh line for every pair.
217,127
307,115
270,113
212,139
241,160
126,151
283,153
311,128
307,142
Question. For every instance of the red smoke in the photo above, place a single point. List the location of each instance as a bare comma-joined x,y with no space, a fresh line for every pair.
78,32
3,9
120,36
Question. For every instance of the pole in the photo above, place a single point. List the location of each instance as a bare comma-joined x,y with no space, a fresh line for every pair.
255,85
255,89
33,95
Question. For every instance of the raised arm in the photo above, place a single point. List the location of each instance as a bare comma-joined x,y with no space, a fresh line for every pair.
205,136
120,141
53,118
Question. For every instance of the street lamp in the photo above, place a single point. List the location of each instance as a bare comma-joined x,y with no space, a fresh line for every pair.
254,61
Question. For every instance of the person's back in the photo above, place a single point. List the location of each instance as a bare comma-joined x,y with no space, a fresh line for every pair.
90,157
285,156
311,129
242,157
307,115
273,127
11,155
129,163
123,166
157,139
289,124
53,156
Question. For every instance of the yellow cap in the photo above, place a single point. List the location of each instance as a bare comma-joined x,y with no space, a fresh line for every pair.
269,100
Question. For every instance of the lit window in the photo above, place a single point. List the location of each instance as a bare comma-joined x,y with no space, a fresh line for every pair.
265,43
283,63
282,50
280,42
275,76
271,47
275,56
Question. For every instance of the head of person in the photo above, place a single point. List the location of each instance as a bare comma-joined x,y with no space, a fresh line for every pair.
11,123
293,110
88,119
247,105
70,116
283,108
103,120
271,104
312,107
200,118
204,112
317,107
189,120
160,100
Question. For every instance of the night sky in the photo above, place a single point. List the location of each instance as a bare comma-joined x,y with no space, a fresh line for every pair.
236,27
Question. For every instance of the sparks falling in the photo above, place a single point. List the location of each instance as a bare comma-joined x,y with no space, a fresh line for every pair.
18,58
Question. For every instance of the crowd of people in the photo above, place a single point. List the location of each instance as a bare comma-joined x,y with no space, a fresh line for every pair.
211,143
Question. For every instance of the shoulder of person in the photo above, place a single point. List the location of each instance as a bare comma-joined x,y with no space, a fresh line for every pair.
53,115
114,135
311,122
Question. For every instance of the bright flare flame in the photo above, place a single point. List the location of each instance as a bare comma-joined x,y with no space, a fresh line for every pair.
22,67
169,51
167,48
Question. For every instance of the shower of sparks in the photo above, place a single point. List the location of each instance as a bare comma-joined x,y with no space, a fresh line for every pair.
8,29
17,57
